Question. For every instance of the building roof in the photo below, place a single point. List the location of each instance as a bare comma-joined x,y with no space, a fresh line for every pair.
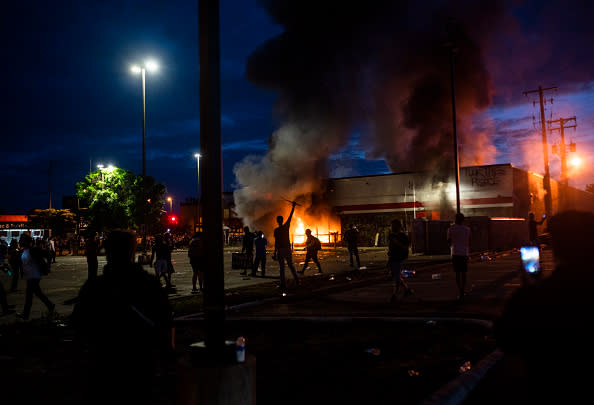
14,218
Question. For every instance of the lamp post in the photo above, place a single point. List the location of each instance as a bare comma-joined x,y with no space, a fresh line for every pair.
170,204
136,69
197,156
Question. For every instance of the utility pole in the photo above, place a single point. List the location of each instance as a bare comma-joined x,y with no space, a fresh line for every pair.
210,149
546,182
562,148
51,163
563,154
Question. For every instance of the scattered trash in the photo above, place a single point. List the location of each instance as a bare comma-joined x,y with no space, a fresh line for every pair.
240,349
465,367
331,277
436,276
407,273
349,279
431,323
413,373
284,294
363,268
374,350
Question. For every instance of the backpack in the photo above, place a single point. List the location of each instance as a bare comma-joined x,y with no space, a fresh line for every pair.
317,244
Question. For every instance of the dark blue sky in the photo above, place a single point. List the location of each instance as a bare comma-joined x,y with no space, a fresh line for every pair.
69,96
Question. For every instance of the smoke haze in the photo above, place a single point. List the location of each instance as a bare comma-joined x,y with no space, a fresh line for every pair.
379,66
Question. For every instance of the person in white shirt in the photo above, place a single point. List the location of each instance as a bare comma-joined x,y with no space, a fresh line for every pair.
32,274
458,237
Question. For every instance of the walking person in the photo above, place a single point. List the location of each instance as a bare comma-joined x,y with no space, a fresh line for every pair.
14,262
532,228
162,253
282,249
352,236
197,254
52,249
312,246
261,242
123,321
458,237
248,249
398,244
32,263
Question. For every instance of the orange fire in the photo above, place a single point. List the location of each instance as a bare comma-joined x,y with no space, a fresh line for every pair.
325,229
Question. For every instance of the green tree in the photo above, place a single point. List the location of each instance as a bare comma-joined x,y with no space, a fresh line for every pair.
115,199
59,221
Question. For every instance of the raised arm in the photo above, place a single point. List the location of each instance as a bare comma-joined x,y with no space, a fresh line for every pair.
291,214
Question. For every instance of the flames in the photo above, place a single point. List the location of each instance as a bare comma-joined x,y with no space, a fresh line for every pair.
326,229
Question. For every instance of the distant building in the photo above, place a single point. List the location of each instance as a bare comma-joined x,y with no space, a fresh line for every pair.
13,226
191,215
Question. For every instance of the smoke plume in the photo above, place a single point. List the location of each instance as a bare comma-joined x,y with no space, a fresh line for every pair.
379,66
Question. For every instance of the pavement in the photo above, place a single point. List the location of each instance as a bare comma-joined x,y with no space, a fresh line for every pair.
340,294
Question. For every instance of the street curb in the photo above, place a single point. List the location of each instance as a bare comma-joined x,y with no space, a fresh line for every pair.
457,390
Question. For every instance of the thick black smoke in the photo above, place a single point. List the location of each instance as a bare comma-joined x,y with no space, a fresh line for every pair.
378,65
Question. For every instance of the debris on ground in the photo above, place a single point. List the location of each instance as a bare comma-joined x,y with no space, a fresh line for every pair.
465,367
374,350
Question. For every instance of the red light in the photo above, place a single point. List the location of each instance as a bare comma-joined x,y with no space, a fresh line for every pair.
173,218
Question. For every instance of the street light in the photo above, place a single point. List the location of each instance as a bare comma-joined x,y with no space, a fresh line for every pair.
197,156
151,66
170,204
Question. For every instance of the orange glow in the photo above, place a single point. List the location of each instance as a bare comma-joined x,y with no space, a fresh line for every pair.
323,228
576,161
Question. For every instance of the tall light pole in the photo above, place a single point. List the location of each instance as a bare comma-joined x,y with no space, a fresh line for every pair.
170,204
151,66
197,156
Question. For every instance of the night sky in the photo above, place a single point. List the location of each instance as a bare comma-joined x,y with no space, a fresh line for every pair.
70,98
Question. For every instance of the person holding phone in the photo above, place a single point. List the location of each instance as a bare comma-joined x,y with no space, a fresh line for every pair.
545,329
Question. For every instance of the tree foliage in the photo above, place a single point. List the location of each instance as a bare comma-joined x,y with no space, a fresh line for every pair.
115,199
59,221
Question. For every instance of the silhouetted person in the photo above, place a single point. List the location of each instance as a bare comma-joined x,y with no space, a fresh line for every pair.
6,308
312,246
351,236
123,317
458,237
398,244
532,228
546,329
161,254
260,242
14,262
247,247
32,261
91,252
282,248
197,255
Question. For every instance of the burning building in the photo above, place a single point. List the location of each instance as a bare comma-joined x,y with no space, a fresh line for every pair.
495,193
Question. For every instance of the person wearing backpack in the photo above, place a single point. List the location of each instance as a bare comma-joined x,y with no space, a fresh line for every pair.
197,260
33,265
398,244
312,245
